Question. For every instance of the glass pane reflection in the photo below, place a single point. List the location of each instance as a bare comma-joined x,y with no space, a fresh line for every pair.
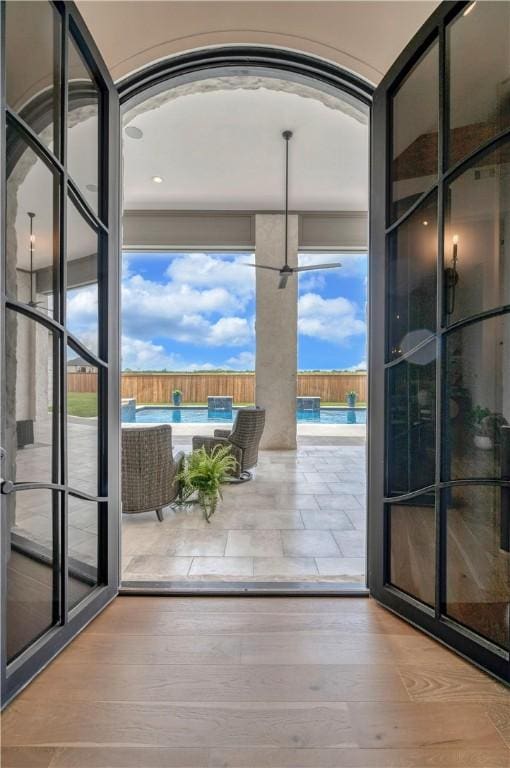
476,238
83,127
83,548
32,35
411,398
478,560
31,606
32,207
82,424
412,291
412,537
415,121
480,89
82,310
30,433
476,442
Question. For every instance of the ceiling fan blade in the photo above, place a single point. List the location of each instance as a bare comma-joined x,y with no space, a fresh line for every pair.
316,266
260,266
283,280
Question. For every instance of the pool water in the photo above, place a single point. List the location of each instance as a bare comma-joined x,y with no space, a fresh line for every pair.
202,416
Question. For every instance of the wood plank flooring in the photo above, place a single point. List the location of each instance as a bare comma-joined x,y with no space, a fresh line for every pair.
256,683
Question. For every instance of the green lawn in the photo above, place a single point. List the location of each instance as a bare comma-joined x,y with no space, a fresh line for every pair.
82,403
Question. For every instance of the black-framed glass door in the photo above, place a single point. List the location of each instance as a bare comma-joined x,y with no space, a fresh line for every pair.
439,499
60,283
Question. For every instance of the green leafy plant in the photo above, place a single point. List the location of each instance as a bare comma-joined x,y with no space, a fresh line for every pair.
204,473
477,419
486,423
177,392
351,397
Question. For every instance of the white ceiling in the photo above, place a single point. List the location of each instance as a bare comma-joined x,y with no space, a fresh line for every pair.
222,149
364,37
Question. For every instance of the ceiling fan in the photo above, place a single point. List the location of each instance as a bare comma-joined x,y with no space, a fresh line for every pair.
286,271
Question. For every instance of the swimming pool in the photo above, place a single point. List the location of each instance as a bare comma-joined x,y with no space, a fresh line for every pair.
168,415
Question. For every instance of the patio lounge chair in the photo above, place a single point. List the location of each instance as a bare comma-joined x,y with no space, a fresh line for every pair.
149,469
244,439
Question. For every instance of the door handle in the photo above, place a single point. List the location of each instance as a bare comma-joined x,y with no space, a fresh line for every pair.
6,485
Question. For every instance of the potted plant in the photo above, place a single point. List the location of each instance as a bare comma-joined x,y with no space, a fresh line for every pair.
486,427
177,397
351,398
203,474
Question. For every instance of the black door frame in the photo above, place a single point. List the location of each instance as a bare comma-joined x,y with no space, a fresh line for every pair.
434,621
68,622
243,60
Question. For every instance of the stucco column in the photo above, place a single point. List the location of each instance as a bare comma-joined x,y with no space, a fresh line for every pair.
276,332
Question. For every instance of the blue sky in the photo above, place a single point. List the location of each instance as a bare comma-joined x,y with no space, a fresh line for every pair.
196,311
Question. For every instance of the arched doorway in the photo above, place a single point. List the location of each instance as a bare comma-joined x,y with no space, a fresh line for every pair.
219,76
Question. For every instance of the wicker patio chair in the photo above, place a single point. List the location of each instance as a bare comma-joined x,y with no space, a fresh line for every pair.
149,469
244,439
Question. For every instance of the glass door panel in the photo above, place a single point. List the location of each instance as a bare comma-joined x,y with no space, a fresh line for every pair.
83,539
477,376
83,245
411,426
32,42
82,427
414,138
58,273
412,533
477,241
412,260
83,121
32,419
479,85
478,560
439,448
32,554
32,214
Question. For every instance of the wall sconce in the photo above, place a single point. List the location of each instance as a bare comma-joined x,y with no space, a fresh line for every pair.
452,278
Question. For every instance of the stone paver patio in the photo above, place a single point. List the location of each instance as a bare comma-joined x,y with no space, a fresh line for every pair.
302,517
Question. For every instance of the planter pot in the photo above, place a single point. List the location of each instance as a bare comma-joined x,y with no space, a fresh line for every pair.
483,442
177,399
351,402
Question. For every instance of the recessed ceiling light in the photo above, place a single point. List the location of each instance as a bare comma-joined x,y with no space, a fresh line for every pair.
133,132
425,223
157,179
91,187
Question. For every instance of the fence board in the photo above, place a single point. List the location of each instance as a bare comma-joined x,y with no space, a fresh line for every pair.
195,387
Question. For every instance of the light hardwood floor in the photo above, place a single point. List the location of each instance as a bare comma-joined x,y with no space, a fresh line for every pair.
256,683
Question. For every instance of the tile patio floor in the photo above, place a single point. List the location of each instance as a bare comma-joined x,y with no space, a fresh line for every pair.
302,517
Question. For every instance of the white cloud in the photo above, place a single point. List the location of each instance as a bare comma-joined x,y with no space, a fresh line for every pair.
361,366
183,313
335,320
207,270
82,315
244,361
139,355
229,331
353,264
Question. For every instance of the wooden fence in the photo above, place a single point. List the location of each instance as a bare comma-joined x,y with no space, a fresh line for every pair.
195,387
